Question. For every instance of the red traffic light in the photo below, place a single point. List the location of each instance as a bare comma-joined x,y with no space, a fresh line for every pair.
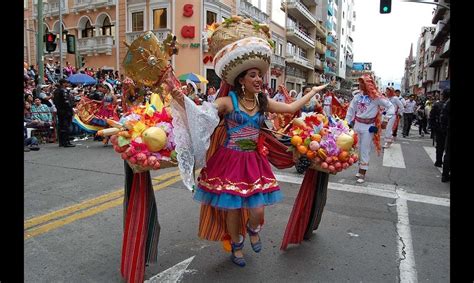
50,38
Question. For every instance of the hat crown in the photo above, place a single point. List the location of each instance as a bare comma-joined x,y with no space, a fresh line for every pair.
234,29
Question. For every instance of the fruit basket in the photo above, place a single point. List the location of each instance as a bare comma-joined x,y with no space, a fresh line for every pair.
322,143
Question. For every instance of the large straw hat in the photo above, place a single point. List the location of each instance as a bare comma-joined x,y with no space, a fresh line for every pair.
238,45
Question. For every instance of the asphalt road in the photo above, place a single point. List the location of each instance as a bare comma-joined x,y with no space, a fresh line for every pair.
395,227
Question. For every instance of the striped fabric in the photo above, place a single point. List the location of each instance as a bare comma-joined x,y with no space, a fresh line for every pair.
141,227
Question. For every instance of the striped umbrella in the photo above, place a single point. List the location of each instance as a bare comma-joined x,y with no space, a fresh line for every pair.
193,77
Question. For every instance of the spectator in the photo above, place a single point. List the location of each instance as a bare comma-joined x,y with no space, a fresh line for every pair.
280,97
436,128
422,120
41,112
29,143
211,94
408,115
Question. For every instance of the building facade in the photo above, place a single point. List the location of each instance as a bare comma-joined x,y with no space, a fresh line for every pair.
439,59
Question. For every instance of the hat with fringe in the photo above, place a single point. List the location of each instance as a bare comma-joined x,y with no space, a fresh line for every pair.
238,45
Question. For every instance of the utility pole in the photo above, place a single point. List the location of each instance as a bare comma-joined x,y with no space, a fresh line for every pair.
60,40
40,47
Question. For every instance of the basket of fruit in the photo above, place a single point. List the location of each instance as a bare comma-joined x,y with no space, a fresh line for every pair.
322,143
144,138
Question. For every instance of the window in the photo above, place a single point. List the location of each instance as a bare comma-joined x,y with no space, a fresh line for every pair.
343,15
107,27
211,18
137,21
342,31
273,84
341,64
88,30
159,18
281,49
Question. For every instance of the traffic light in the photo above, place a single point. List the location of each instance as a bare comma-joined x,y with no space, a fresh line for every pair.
50,42
385,6
71,44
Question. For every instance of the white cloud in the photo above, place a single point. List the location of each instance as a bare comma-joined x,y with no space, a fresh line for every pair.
384,39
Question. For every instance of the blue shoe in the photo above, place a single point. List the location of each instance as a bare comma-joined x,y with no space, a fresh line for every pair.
256,247
240,261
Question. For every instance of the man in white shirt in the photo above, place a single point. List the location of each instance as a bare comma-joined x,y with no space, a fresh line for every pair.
363,111
408,115
280,97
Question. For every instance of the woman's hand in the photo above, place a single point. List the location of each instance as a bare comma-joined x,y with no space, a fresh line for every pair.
316,89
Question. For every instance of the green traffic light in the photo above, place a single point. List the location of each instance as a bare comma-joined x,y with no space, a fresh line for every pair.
385,9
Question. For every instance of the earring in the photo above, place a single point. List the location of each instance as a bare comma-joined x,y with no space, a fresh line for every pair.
256,98
243,89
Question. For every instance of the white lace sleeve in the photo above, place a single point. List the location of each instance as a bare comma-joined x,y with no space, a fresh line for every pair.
192,128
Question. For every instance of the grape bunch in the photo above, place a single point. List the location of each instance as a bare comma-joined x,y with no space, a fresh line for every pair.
302,164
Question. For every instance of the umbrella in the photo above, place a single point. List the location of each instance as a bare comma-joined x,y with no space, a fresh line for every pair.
193,77
82,79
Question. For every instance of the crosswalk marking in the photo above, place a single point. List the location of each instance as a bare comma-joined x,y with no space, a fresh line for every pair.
431,151
384,191
393,156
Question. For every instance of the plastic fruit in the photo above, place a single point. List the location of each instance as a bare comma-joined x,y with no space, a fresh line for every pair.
316,137
331,168
355,157
318,159
302,149
296,140
350,161
323,132
338,165
322,154
344,141
328,160
310,154
124,156
324,165
344,155
132,160
154,138
140,156
314,145
345,165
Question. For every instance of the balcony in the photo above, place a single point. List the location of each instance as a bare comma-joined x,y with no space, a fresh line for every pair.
328,25
330,10
52,9
331,41
329,71
442,30
428,75
91,5
318,64
278,60
438,15
320,47
160,34
299,60
437,60
445,51
95,45
300,12
320,30
331,56
296,73
299,37
253,12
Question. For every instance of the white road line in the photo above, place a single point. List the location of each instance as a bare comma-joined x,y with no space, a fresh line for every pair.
431,151
408,271
393,156
381,191
172,274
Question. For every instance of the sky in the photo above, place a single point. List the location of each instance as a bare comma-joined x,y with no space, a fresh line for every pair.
385,39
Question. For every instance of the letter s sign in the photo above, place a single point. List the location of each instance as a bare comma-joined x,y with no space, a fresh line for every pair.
188,10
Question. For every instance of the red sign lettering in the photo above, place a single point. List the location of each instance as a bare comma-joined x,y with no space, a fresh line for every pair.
187,31
188,10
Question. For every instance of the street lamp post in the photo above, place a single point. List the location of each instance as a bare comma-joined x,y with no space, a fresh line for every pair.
60,40
40,47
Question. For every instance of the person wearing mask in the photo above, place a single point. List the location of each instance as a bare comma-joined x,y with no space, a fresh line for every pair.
65,113
408,115
438,132
365,116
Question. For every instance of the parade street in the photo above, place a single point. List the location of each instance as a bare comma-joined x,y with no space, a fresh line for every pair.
394,227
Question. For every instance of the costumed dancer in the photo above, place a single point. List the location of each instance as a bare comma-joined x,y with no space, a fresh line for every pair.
236,181
365,115
332,106
389,138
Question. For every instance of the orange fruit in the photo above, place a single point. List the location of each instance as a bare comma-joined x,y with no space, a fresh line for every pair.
302,149
344,155
316,137
296,140
310,154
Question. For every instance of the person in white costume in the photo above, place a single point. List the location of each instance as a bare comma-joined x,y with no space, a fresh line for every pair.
391,122
364,114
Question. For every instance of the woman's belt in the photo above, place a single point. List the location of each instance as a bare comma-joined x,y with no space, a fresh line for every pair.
365,120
